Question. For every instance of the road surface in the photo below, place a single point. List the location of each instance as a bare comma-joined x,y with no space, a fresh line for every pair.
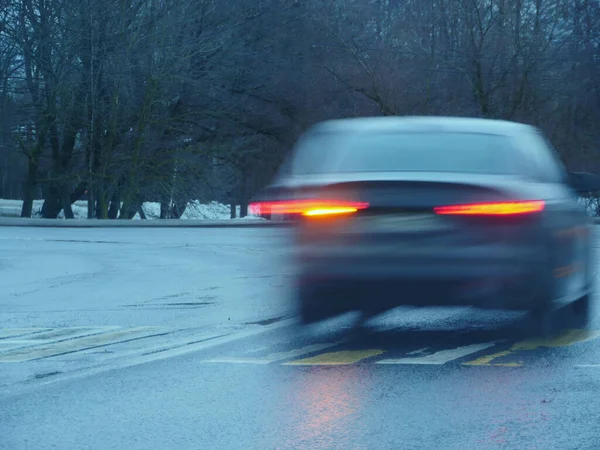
186,339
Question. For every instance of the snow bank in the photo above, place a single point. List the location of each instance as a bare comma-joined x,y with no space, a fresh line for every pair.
197,211
194,211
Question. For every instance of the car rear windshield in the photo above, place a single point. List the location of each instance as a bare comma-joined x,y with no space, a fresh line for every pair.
326,152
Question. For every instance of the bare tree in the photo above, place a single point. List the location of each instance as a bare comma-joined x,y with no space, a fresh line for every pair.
123,102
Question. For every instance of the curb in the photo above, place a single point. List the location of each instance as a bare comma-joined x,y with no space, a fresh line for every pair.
155,223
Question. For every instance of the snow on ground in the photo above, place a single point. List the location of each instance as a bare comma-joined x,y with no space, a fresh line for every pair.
194,211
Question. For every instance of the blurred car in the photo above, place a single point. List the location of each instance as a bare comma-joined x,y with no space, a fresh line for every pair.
434,211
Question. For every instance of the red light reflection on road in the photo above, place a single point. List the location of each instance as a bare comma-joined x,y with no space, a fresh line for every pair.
326,408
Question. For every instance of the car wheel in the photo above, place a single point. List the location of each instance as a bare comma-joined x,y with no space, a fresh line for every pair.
545,318
580,308
314,304
319,301
309,313
545,321
581,312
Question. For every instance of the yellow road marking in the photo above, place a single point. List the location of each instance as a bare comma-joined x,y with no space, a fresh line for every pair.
336,358
567,339
487,359
72,345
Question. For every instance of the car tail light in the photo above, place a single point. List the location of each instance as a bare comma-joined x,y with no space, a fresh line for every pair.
492,209
309,208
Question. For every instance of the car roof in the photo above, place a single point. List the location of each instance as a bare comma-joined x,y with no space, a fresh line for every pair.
424,123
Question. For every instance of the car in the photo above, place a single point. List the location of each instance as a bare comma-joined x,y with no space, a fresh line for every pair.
434,211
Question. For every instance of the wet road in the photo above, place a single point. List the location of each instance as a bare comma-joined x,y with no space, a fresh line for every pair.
184,339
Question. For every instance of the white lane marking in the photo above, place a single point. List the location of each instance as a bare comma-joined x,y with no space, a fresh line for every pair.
441,357
122,362
274,357
419,351
587,366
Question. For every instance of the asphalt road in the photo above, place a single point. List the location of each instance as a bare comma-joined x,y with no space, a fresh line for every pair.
186,339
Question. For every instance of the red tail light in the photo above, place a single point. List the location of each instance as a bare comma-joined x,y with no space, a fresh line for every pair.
492,209
308,207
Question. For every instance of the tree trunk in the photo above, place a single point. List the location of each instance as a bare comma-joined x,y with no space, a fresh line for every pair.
232,210
178,209
130,208
51,207
113,209
141,213
102,208
65,199
29,189
243,208
91,203
78,193
164,210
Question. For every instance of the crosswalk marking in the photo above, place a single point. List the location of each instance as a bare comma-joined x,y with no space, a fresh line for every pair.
486,360
103,343
564,340
50,336
274,357
442,356
16,343
336,358
14,332
61,333
46,350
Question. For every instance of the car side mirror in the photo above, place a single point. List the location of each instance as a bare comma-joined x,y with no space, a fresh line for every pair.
583,182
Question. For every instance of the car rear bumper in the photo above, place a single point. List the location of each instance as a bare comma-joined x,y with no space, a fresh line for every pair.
486,277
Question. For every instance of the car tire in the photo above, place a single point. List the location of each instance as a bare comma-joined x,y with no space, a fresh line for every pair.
580,310
313,303
545,322
544,317
549,321
317,301
309,313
